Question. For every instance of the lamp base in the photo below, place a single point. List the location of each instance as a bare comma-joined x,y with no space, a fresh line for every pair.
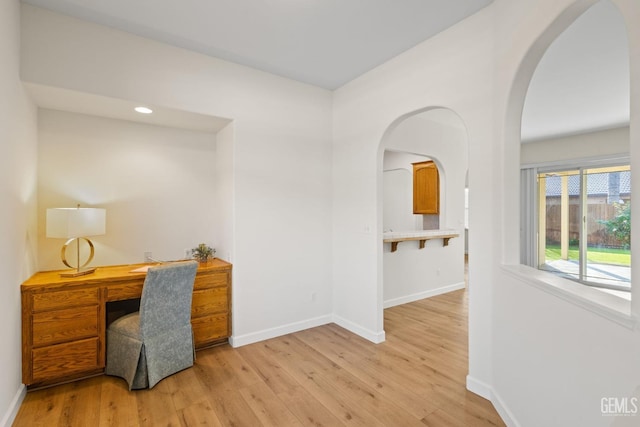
76,273
79,268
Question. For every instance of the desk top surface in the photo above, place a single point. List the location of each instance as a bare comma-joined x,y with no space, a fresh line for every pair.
109,273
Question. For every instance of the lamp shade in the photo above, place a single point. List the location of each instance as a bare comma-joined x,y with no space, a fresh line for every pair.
75,222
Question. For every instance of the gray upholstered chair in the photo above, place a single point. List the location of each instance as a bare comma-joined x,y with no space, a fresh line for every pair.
157,341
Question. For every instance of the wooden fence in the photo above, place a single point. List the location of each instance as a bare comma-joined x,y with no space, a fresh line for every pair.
596,232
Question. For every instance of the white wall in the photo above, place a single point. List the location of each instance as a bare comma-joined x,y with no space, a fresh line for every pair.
605,143
450,70
18,161
441,136
224,225
158,185
397,210
398,202
554,360
411,273
542,360
281,152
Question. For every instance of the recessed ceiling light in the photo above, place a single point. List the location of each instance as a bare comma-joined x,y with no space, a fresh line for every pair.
143,110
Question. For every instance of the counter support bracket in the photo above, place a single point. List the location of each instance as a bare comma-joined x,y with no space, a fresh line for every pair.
422,240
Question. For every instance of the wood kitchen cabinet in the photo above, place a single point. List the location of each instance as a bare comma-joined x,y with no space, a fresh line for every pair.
426,188
64,319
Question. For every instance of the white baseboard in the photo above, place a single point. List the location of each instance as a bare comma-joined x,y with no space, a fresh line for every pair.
503,411
12,411
422,295
265,334
374,337
478,387
484,390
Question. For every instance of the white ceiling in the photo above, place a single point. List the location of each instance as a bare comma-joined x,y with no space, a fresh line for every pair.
581,84
325,43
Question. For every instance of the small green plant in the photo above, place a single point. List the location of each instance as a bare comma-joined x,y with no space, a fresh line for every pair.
202,252
620,225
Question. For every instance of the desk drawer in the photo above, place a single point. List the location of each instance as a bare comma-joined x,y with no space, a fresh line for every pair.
210,328
125,290
210,280
209,301
66,359
52,327
64,299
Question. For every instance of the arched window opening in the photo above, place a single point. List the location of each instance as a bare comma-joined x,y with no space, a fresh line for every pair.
575,170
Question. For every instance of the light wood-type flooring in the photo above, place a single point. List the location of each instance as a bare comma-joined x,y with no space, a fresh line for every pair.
325,376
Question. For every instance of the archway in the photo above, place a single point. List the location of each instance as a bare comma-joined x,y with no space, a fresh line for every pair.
412,270
565,132
575,130
561,309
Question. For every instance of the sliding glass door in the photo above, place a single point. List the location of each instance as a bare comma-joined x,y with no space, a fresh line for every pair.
584,225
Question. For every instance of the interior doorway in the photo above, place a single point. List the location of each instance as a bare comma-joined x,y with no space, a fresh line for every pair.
413,270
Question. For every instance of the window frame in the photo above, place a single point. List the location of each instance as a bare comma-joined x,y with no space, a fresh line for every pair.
530,210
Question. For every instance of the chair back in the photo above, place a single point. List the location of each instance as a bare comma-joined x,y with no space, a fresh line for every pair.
165,303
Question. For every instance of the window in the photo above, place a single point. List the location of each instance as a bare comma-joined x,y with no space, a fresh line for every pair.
582,224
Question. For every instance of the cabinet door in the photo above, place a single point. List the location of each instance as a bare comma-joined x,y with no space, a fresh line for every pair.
63,334
211,279
210,315
62,360
426,188
209,301
210,329
58,326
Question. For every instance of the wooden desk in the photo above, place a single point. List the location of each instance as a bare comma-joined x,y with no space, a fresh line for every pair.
64,318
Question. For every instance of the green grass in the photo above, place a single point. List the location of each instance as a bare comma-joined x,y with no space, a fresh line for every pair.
595,255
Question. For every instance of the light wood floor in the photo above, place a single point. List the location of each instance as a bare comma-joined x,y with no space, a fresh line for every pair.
324,376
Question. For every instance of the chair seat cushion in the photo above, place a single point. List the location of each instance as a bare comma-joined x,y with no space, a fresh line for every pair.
128,325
